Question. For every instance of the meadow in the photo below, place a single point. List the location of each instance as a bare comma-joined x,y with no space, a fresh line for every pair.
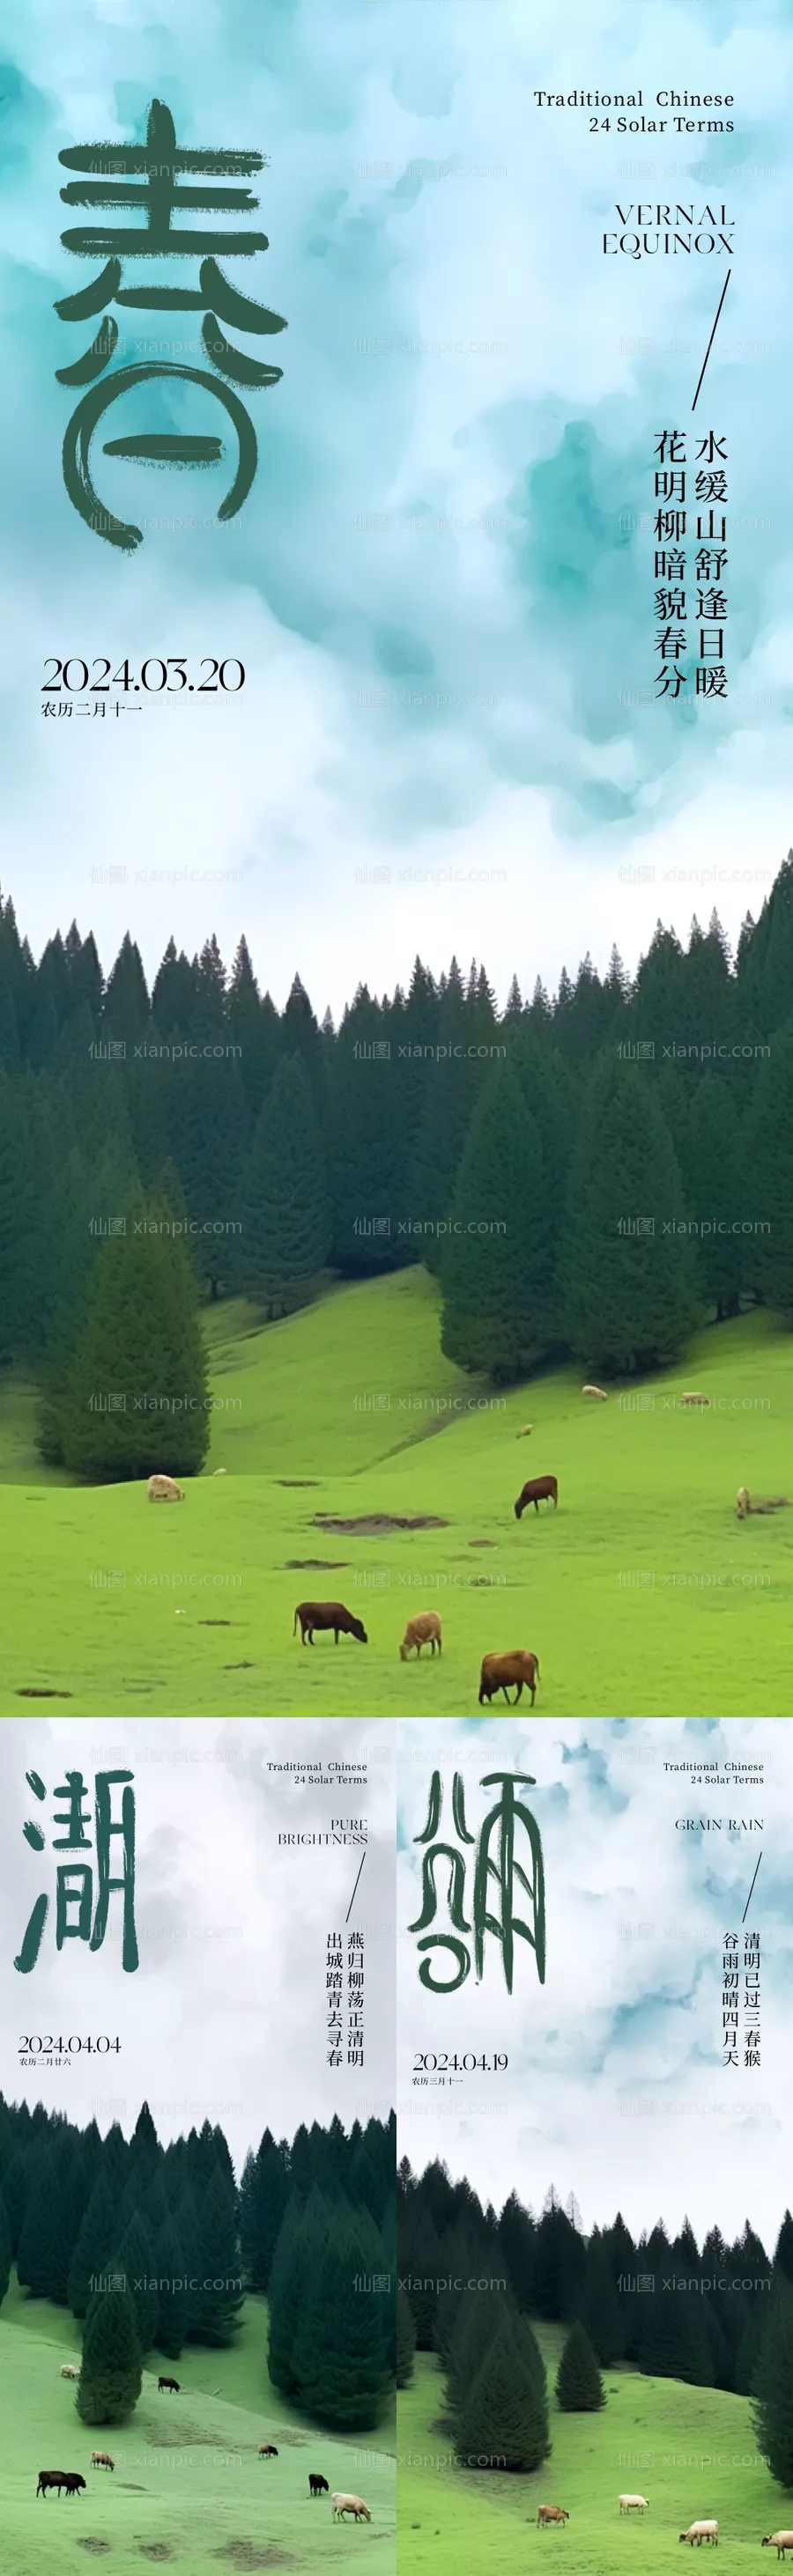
690,2451
642,1595
187,2486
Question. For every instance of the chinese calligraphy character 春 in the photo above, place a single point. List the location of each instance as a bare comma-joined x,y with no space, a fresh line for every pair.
149,181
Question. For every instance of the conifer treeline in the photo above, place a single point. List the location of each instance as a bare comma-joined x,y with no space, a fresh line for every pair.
153,2248
521,1155
663,2304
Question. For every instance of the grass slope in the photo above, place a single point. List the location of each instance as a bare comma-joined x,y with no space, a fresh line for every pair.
188,2486
642,1596
690,2451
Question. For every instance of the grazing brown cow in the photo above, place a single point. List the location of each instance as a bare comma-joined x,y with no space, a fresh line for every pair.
164,1489
68,2478
498,1670
327,1614
169,2383
552,2513
343,2504
699,2531
767,1503
102,2460
540,1489
267,2451
317,2485
424,1630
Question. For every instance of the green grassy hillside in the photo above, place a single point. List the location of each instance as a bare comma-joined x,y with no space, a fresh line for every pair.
690,2451
643,1595
187,2486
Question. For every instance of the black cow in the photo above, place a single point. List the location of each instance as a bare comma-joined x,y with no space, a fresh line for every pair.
327,1614
267,2451
169,2383
68,2478
317,2486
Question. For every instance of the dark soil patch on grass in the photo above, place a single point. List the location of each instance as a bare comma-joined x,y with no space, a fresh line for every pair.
379,1524
98,2548
155,2549
31,1692
296,1484
483,1542
244,2554
214,1623
314,1564
239,1668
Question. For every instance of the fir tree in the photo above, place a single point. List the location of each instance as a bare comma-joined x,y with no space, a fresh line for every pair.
208,1131
765,957
5,2249
340,2355
41,2240
768,1161
284,1209
716,1190
126,1005
17,1217
559,2263
406,2336
15,2195
601,2307
261,2209
503,2422
86,981
10,1049
93,2247
173,994
74,2186
369,1145
673,2340
479,2318
137,1385
42,1036
6,2139
518,2235
628,1277
579,2387
111,2370
294,2270
188,2230
497,1271
172,2317
134,2260
783,2252
773,2409
221,2295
